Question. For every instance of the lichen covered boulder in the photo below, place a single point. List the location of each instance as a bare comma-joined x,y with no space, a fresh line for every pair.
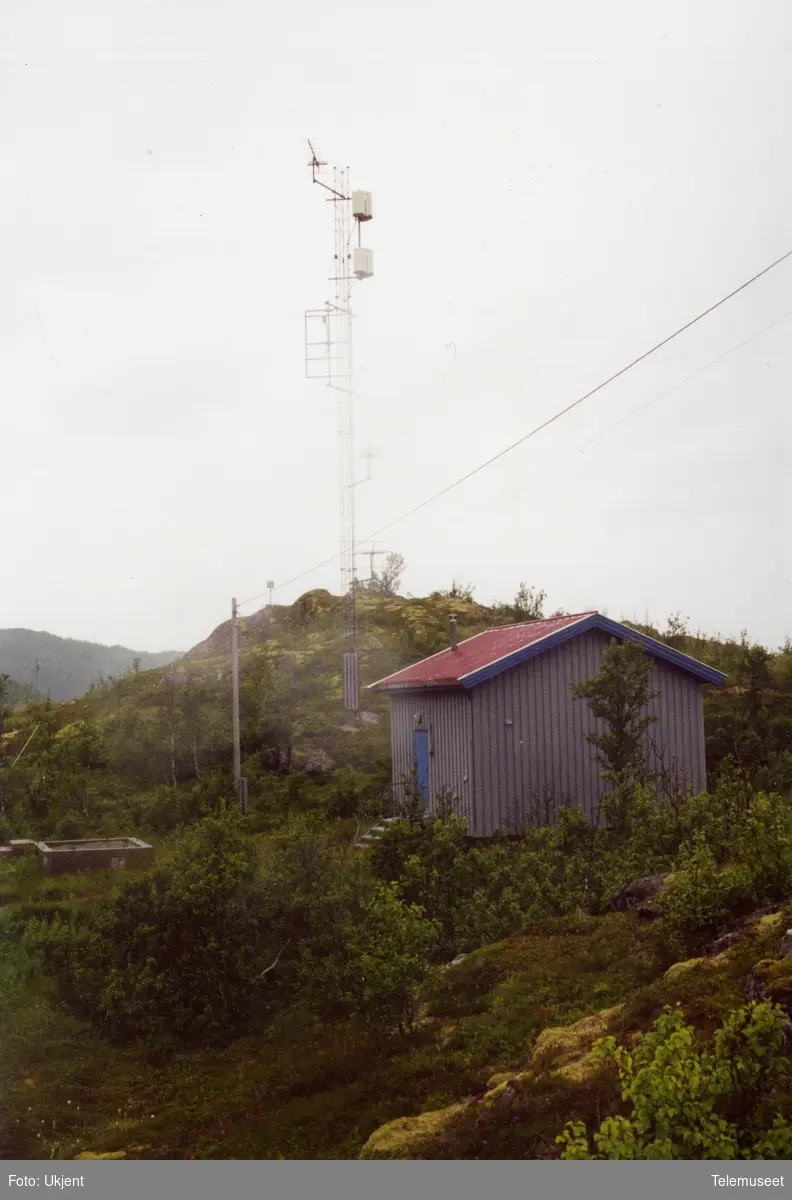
769,922
88,1156
564,1046
409,1137
501,1077
776,976
686,966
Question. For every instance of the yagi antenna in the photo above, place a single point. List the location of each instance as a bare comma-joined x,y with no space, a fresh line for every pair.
317,162
316,165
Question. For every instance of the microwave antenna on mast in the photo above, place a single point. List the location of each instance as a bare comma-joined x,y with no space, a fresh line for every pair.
328,356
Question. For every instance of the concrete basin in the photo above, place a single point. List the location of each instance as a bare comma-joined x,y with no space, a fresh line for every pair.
93,854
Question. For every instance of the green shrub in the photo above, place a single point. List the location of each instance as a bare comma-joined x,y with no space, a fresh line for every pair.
437,874
719,815
279,797
700,896
15,969
186,943
738,856
352,793
497,898
689,1102
70,946
71,825
161,810
176,956
483,893
212,795
370,958
401,841
765,846
555,863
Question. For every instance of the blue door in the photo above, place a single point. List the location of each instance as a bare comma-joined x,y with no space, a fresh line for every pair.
421,756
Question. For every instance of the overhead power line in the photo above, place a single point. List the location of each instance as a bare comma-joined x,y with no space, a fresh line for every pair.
556,417
693,375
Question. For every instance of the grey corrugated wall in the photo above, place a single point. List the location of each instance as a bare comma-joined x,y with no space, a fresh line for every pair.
677,743
447,717
542,760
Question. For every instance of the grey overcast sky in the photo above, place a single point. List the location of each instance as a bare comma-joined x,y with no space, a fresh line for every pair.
556,188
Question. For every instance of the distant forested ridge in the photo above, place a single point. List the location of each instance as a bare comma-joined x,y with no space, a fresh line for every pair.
66,667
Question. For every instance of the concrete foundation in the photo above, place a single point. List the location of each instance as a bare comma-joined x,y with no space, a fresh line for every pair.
20,846
93,854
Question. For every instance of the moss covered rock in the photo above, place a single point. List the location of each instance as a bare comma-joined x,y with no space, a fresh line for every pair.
409,1137
563,1046
769,922
501,1077
89,1156
776,975
692,964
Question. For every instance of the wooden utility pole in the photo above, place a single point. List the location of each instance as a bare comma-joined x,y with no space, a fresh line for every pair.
235,698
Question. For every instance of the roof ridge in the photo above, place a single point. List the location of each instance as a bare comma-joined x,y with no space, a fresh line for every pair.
588,612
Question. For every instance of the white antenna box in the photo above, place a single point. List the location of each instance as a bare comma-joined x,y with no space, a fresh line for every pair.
362,262
361,206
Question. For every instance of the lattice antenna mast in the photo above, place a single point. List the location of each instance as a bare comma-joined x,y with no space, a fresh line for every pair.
328,356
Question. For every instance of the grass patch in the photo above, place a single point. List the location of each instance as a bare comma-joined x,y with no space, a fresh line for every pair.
506,994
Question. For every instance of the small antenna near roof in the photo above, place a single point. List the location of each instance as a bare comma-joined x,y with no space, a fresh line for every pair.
453,632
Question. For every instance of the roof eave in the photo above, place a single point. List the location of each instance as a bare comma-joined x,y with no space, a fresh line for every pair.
412,685
684,661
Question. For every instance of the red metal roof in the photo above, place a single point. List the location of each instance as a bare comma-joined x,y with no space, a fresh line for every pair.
449,667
